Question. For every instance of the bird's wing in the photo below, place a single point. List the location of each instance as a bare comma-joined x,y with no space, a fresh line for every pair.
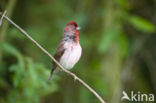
59,51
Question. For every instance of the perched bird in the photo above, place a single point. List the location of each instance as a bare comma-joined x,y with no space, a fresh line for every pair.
68,51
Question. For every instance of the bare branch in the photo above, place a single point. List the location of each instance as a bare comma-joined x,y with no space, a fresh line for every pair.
52,58
2,17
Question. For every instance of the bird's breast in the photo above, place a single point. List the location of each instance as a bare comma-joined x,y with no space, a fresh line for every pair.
71,55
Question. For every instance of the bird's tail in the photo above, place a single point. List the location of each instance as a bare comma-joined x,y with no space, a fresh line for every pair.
51,73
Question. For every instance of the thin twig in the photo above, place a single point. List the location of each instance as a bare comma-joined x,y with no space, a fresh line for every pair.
1,20
52,58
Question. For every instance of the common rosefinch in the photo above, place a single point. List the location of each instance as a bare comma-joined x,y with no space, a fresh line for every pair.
69,50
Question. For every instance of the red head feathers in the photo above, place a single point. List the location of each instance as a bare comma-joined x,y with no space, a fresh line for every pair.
72,23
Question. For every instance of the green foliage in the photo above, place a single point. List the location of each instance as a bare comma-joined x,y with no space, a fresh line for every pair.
107,39
28,78
10,49
123,44
142,24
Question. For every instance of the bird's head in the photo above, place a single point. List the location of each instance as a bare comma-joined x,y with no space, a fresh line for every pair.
72,24
71,28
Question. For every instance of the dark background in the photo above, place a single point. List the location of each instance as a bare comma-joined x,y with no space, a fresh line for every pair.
118,38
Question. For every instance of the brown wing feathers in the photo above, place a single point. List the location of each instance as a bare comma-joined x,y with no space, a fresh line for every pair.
59,52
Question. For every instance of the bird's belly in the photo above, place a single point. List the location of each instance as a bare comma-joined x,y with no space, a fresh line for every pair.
71,56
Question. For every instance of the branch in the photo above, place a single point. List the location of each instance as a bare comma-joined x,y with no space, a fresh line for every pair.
1,20
52,58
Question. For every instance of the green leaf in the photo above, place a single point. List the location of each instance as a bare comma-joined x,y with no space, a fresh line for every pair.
142,24
9,49
123,44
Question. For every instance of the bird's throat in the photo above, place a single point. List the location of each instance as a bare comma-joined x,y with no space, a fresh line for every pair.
74,38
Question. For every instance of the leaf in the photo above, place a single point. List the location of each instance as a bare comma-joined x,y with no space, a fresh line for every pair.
141,24
9,49
123,44
123,3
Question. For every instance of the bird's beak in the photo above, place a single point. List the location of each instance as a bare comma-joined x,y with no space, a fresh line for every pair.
78,28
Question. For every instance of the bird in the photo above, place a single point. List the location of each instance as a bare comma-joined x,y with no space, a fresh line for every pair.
125,96
68,51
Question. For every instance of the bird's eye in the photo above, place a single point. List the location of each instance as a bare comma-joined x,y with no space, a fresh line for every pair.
75,27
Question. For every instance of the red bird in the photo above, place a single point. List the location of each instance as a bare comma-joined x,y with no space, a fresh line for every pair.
69,50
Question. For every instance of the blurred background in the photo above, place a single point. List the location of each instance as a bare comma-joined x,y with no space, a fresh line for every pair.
118,38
